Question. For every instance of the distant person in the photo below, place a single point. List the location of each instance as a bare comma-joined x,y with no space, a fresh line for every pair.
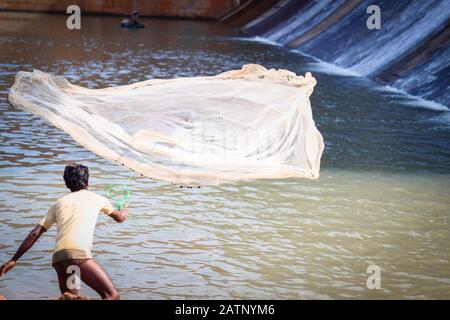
75,216
133,21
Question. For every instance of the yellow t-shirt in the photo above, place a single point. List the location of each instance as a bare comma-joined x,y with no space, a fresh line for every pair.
75,216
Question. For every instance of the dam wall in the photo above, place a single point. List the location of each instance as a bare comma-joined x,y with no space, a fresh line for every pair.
410,51
192,9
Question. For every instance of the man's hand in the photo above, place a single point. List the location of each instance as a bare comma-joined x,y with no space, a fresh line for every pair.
124,213
120,215
6,267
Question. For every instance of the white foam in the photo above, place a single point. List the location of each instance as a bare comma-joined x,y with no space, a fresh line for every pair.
428,104
257,39
329,68
326,67
318,65
414,101
443,119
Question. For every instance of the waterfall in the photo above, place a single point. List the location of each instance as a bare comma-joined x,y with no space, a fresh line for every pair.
409,52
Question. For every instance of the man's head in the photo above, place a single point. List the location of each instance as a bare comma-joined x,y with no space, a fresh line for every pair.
76,177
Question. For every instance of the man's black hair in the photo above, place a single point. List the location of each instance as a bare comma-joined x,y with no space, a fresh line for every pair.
76,177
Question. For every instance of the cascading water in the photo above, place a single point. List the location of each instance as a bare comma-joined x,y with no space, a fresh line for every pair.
429,80
404,26
303,21
336,32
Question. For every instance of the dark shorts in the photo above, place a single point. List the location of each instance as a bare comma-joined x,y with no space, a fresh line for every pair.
70,254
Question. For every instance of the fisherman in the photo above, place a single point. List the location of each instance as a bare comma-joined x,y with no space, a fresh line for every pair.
132,22
75,215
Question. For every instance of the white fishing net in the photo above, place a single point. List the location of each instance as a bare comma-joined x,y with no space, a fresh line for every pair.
243,124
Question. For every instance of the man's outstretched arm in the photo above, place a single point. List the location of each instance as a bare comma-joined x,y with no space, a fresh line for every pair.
24,247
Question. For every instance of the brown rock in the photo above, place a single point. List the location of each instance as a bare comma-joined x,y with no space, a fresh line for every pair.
70,296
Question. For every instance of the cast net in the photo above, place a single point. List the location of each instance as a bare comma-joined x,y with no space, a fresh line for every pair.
243,124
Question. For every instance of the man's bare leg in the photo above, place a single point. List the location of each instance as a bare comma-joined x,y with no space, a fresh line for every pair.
92,274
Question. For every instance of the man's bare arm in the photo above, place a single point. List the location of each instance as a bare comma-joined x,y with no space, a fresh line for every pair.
32,237
119,215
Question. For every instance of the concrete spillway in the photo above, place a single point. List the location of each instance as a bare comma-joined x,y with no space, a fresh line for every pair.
410,51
